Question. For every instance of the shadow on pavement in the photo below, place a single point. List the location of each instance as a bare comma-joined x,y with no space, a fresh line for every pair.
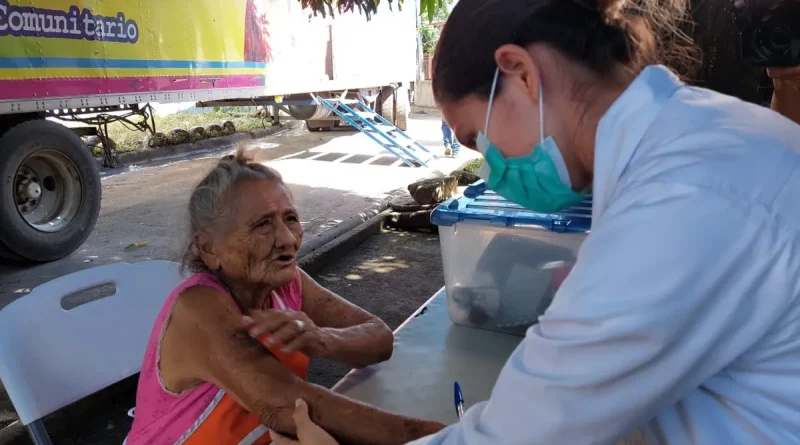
265,149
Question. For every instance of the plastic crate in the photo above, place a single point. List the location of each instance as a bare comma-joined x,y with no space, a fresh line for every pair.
503,263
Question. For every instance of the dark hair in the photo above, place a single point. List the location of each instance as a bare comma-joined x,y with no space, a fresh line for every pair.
719,39
603,35
206,205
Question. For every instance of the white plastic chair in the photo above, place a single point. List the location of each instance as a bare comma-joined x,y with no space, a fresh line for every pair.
51,357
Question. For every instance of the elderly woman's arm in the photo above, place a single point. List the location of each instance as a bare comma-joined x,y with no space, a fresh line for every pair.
786,97
329,327
215,349
354,336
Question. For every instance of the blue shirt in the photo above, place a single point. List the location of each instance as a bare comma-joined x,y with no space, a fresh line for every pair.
680,322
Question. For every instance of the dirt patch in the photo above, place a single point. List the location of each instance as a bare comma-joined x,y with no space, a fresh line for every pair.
473,166
239,119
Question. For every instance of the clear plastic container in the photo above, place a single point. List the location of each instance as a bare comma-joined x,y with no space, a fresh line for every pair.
502,263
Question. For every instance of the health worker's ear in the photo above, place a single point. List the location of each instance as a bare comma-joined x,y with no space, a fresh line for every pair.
518,69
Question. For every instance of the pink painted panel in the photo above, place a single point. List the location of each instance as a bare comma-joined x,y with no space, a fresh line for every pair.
47,88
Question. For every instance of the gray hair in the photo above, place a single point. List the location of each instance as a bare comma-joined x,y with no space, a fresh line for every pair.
206,205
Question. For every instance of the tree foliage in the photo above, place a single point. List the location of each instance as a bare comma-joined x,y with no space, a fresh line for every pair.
430,37
428,8
435,9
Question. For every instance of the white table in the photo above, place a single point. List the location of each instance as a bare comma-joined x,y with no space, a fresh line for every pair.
430,353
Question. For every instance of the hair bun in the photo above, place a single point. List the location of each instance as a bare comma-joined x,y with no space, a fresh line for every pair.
240,157
611,10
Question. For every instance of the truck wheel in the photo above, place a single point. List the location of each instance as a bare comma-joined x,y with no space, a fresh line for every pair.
6,254
403,106
49,191
319,125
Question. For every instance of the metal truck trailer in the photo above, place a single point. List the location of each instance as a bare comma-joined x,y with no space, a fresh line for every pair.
82,59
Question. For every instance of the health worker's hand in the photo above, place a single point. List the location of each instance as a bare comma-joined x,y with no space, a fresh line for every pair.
292,330
786,97
307,432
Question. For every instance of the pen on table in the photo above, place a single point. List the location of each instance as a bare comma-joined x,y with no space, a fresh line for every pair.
458,400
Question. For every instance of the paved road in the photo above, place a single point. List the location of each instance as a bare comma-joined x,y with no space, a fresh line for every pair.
147,203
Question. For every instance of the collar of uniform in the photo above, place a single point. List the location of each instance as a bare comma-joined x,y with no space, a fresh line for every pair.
622,128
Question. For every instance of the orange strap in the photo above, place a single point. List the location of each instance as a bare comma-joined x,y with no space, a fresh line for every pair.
297,362
229,423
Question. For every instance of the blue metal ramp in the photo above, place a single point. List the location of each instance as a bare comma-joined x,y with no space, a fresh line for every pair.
394,140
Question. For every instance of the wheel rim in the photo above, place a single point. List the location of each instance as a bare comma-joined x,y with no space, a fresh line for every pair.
48,191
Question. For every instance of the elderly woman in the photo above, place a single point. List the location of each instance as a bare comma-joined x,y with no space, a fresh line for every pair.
229,352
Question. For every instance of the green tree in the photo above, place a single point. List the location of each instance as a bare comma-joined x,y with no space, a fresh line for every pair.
441,10
430,37
428,8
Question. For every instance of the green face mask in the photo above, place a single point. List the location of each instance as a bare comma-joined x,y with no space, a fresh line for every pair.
539,181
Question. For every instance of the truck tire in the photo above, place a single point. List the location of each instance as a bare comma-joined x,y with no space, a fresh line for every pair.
50,191
319,125
6,254
386,100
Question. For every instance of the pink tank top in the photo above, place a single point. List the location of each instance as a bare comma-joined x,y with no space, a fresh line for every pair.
164,417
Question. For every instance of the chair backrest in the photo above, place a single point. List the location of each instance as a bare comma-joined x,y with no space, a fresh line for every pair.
51,357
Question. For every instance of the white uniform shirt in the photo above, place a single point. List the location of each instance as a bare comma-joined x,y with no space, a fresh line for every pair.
680,322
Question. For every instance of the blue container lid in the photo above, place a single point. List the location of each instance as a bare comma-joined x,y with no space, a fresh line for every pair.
482,206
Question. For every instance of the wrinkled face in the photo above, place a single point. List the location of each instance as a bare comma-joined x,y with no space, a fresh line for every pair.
261,237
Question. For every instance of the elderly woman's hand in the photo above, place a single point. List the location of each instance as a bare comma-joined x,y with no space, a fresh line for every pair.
792,73
307,432
293,330
786,97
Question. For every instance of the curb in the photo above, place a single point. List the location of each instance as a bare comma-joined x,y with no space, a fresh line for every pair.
315,261
332,243
341,230
416,109
214,144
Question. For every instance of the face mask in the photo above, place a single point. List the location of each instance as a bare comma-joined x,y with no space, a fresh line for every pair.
539,181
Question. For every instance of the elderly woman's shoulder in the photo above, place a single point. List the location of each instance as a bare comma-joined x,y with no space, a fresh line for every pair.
204,304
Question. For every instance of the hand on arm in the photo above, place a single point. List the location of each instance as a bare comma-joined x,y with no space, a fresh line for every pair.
308,433
331,328
218,350
786,97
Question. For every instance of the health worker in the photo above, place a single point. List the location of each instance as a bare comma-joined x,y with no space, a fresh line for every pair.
680,322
